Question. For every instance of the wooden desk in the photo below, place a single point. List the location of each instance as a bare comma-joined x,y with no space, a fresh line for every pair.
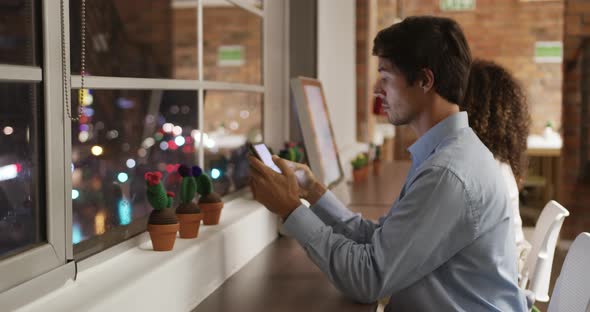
550,165
282,278
543,151
382,189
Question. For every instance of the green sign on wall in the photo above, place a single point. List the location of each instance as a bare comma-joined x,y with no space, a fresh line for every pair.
230,55
457,5
548,51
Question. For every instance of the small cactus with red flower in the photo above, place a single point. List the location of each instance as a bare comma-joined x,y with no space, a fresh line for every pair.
156,194
162,223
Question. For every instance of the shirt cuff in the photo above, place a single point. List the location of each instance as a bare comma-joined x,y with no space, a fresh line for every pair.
303,224
330,210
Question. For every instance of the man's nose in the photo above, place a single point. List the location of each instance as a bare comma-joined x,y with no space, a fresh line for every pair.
378,91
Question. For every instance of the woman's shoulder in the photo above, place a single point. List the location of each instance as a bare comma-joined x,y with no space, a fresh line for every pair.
508,176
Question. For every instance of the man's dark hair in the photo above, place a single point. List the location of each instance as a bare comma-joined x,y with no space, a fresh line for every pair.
435,43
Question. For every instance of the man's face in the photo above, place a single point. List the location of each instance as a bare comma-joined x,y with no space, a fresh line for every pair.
401,102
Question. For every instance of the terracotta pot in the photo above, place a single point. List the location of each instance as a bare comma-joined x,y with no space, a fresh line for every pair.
189,224
163,235
211,212
376,167
360,174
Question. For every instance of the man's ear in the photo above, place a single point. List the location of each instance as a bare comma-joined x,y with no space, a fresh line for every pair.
427,80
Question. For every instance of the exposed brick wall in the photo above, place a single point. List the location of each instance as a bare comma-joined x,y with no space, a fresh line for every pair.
185,43
504,31
222,26
575,194
150,25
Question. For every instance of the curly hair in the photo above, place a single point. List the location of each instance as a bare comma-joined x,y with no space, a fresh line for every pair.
499,114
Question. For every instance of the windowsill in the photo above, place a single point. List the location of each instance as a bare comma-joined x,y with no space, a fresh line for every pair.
141,279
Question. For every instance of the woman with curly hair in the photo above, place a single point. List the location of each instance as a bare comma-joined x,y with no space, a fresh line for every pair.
498,113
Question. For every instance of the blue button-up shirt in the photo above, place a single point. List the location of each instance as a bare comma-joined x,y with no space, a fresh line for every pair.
447,244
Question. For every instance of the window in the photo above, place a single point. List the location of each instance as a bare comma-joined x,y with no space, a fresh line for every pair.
19,44
141,110
156,93
32,192
21,168
232,45
121,135
231,120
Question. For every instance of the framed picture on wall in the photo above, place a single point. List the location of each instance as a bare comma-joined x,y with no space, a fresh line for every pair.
316,127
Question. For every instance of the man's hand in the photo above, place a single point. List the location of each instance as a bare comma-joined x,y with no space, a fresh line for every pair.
310,188
279,193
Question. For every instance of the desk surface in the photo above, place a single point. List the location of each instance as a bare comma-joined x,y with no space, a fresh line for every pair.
282,278
543,151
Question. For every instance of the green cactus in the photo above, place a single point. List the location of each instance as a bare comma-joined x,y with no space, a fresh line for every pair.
360,161
204,185
293,154
156,195
188,186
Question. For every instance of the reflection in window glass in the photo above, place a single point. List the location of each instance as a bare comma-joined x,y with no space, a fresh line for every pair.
21,168
231,120
122,135
232,40
17,33
135,38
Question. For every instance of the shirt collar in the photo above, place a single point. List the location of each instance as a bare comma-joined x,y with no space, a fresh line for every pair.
426,144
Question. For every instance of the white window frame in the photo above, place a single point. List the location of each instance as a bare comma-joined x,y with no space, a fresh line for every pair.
22,267
34,273
200,85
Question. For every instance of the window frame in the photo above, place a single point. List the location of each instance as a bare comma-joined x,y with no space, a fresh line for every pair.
51,255
200,85
31,274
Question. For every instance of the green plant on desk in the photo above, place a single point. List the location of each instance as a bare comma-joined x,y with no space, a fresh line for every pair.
292,152
359,162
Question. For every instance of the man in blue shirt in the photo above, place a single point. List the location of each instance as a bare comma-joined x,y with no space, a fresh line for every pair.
447,243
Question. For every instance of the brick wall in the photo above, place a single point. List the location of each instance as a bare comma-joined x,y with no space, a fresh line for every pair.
504,31
222,26
151,27
575,193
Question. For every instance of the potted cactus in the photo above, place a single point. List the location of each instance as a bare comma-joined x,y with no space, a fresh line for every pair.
360,169
162,223
209,202
292,152
188,213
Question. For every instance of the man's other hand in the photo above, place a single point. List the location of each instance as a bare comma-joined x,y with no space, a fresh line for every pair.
310,188
279,193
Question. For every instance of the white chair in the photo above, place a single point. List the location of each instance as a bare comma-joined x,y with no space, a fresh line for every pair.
537,268
571,292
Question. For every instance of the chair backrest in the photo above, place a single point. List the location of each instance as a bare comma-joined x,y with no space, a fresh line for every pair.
572,290
537,268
